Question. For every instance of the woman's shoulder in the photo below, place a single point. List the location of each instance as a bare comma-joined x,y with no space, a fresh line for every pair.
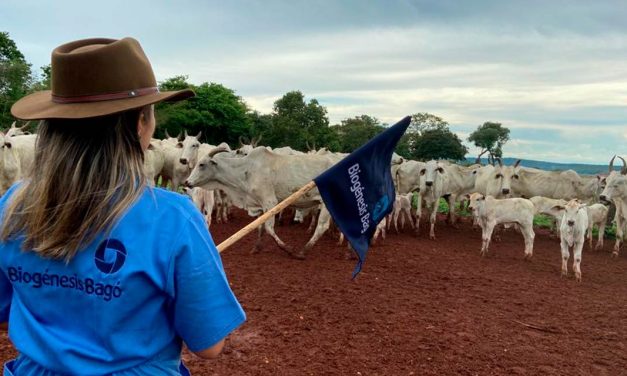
168,202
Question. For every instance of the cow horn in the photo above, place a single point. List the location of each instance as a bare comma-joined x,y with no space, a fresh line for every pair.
178,137
623,170
167,135
308,146
517,163
217,150
255,141
198,135
25,125
241,143
610,168
13,125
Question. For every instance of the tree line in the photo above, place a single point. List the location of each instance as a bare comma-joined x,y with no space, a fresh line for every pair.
223,116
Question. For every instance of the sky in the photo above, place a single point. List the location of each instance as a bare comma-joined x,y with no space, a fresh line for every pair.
553,72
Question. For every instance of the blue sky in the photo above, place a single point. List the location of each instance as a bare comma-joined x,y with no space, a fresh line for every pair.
554,72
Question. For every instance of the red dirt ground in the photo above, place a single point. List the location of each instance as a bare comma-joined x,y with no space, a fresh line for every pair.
420,307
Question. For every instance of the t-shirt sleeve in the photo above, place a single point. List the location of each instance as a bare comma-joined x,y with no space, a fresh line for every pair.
205,308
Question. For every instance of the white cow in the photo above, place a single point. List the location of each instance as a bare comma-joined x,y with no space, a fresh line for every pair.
154,159
491,212
17,155
496,181
616,191
258,181
597,215
432,185
17,131
545,205
572,234
402,208
204,201
565,185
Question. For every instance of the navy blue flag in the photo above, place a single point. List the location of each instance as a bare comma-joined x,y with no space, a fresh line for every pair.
359,191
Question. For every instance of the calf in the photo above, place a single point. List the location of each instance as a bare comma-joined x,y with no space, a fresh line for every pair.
573,231
545,205
597,215
402,208
204,201
490,212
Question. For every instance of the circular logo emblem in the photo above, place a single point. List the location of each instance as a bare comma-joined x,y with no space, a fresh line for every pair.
110,256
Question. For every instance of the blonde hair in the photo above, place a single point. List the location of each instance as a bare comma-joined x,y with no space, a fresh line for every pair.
86,173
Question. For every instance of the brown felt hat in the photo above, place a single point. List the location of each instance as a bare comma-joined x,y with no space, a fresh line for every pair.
95,77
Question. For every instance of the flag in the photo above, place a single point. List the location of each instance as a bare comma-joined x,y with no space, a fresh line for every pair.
359,191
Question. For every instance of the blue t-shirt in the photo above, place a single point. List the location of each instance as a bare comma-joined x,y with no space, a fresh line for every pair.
124,303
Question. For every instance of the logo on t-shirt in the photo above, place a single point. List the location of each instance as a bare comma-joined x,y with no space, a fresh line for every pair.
110,256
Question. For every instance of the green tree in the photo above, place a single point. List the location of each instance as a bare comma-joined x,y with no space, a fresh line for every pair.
424,121
490,138
297,123
215,111
439,144
15,77
354,132
44,83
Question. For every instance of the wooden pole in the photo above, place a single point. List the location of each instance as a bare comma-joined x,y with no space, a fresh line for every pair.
263,218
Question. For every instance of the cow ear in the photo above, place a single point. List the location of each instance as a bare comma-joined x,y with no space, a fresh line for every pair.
151,147
481,197
558,207
213,162
179,145
599,177
440,170
7,144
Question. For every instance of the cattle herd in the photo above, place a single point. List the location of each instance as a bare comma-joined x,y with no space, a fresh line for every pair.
256,178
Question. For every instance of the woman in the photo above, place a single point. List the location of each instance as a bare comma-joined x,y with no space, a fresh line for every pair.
101,274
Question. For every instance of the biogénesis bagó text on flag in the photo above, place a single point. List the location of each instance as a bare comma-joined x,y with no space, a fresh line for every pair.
359,191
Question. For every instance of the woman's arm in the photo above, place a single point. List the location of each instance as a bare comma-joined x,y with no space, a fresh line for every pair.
211,352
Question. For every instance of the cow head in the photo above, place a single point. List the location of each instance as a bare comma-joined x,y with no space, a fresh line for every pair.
570,212
205,170
615,184
477,200
431,172
504,175
190,146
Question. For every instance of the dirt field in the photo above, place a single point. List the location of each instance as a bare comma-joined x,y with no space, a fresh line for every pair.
421,307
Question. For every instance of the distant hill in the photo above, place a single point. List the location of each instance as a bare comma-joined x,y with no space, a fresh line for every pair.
580,168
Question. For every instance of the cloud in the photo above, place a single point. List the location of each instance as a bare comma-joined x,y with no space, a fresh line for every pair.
553,72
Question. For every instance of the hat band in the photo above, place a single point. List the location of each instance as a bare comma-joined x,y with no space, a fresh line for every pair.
106,97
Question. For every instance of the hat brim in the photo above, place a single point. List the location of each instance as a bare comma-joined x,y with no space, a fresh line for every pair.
39,105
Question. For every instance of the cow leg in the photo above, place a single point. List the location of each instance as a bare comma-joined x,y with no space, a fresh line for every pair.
486,235
407,213
324,221
601,236
452,217
528,235
269,227
418,212
432,218
258,245
589,233
565,257
396,214
312,224
619,237
577,253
